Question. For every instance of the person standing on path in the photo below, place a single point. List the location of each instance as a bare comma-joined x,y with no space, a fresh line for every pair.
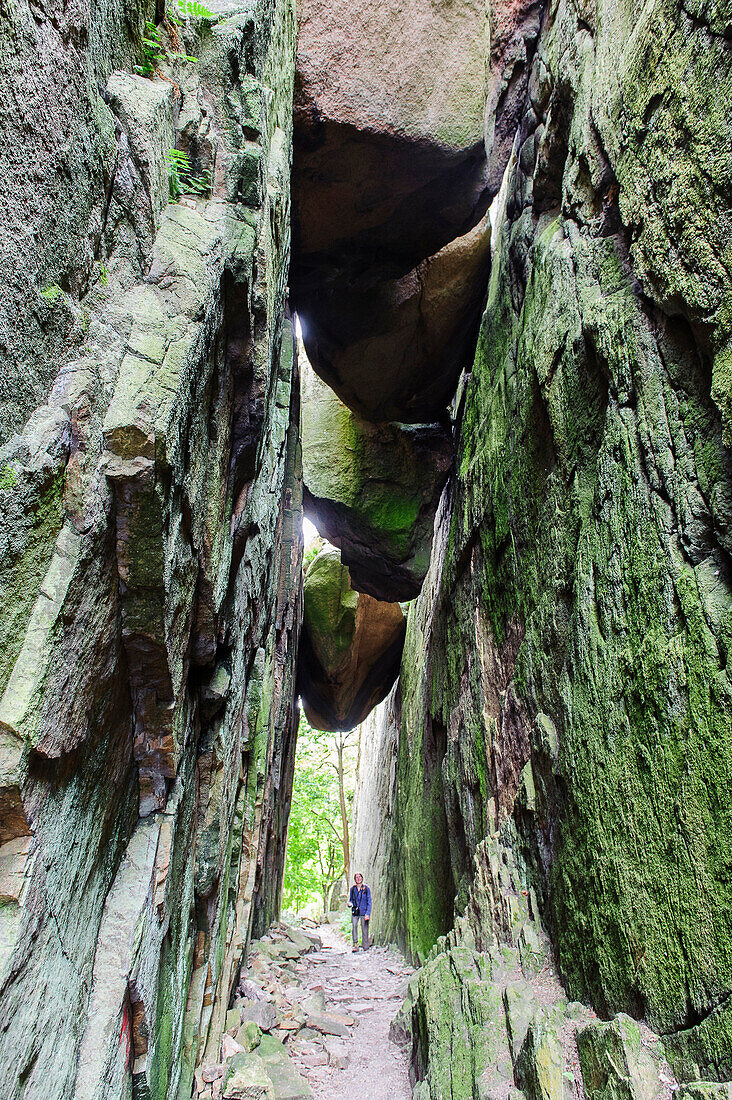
360,902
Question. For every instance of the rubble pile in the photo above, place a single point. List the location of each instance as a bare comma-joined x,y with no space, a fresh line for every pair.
293,1014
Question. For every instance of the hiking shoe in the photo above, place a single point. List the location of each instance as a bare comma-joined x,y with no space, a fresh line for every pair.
355,947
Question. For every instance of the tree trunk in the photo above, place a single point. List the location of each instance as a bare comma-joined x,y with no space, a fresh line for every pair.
345,840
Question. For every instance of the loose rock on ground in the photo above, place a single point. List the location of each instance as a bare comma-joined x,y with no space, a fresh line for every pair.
309,1016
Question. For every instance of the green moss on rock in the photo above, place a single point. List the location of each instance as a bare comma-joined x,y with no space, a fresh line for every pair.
21,575
330,607
580,570
373,490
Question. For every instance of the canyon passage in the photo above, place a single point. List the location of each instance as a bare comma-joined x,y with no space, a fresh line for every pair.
452,281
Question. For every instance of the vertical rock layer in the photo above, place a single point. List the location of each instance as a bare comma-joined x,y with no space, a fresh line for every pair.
150,549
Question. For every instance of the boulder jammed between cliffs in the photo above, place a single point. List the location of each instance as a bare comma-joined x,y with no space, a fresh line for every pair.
350,648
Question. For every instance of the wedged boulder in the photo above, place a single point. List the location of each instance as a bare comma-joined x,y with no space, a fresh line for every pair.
389,104
392,340
350,648
396,108
372,490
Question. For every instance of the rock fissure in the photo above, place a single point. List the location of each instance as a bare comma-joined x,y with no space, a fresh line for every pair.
505,404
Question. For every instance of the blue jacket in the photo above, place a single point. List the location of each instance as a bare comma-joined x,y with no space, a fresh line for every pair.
361,900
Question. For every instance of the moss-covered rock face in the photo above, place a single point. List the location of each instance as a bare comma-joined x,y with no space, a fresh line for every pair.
350,649
57,161
568,654
558,748
372,490
486,1014
150,545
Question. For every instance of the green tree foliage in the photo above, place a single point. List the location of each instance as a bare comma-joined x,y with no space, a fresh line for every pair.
312,552
316,853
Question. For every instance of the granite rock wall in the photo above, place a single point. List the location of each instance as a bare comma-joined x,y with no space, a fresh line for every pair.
564,685
150,546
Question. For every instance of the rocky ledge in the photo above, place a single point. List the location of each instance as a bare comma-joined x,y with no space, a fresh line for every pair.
487,1017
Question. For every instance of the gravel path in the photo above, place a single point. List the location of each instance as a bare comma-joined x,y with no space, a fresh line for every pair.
370,986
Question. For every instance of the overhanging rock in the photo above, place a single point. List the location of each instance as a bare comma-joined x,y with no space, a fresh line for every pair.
405,115
350,648
372,490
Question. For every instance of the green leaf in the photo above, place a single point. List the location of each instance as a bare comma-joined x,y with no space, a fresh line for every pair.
194,9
